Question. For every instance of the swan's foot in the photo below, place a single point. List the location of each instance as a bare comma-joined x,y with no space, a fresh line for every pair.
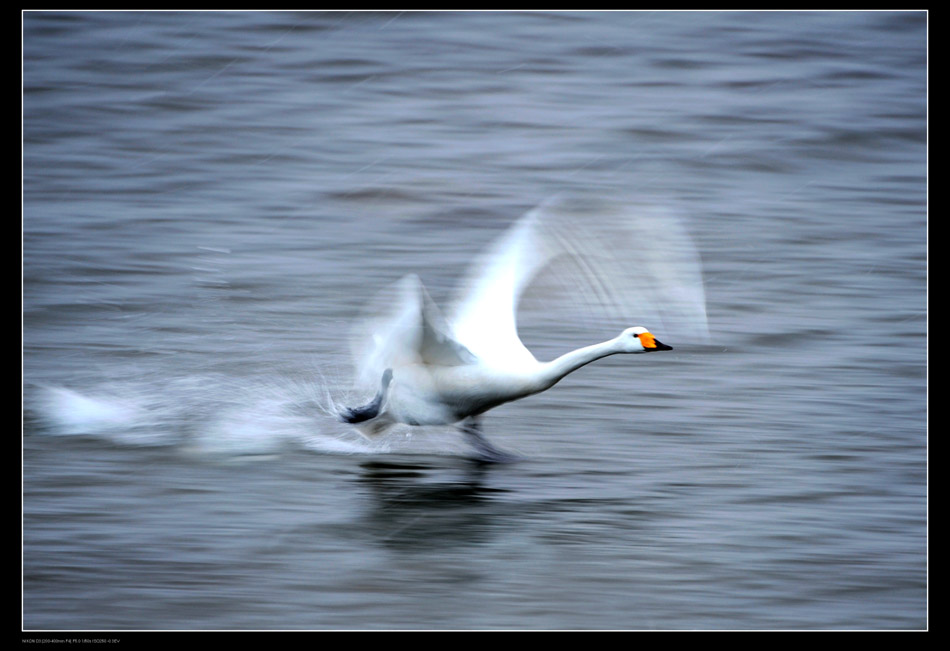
354,415
370,410
487,453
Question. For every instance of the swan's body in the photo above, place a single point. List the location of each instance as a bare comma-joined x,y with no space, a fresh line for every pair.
429,371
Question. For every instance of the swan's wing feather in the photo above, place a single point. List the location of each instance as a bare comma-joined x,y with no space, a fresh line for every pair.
403,326
605,259
436,345
485,313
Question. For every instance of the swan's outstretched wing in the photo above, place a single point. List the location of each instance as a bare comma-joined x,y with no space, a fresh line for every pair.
629,264
403,326
485,314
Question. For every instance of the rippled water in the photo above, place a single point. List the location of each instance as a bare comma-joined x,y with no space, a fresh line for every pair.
209,198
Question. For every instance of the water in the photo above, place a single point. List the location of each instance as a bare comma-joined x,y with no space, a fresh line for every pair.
208,199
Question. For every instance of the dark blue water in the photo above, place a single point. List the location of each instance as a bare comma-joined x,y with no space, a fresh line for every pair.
209,198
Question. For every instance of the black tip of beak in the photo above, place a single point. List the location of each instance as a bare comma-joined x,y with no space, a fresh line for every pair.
659,346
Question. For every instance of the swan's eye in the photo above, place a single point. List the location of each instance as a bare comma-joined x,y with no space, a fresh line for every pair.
637,335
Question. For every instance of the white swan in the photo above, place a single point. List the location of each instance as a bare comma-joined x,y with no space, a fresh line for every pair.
431,371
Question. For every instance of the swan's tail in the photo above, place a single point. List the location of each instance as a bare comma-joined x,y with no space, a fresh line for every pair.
372,409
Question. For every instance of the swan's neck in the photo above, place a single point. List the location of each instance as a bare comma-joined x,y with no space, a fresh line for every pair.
552,372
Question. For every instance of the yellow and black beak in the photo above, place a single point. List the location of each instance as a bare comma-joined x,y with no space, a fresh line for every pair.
650,343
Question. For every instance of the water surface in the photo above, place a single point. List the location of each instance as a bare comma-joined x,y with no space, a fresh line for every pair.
209,198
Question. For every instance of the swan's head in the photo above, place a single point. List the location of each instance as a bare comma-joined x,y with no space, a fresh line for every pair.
639,340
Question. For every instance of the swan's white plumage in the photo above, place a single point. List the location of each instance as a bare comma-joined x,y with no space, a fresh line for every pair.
605,259
485,317
404,327
613,261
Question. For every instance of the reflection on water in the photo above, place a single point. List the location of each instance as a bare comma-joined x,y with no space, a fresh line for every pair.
411,513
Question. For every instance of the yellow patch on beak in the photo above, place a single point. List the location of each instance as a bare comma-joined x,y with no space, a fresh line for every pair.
647,340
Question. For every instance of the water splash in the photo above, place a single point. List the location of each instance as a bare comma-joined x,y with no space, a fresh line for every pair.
69,412
202,416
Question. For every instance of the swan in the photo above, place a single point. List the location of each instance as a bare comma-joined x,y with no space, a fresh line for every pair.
430,370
